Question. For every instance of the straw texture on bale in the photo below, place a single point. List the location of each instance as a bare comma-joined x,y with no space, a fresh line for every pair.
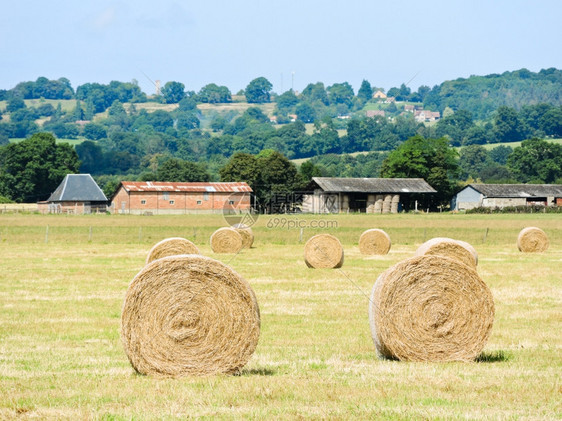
189,315
323,251
226,240
430,308
374,241
246,233
532,240
171,247
448,247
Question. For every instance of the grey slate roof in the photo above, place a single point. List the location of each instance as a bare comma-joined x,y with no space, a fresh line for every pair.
79,188
518,190
373,185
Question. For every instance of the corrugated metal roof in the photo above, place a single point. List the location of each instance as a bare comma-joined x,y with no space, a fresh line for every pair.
373,185
518,190
194,187
78,187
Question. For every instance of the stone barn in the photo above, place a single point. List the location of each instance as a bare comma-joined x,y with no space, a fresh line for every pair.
76,194
368,195
502,195
158,198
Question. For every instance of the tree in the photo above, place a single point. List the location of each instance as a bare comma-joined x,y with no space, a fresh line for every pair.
91,156
258,91
507,125
365,92
431,159
500,153
33,168
305,112
214,94
178,170
241,167
473,159
315,92
94,131
15,103
340,93
286,101
536,160
173,92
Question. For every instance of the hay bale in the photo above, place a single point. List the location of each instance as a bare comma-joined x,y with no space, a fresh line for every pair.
189,315
374,241
430,308
323,251
171,247
448,247
532,240
226,240
247,235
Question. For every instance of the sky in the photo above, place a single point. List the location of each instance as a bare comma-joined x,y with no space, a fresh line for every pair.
291,43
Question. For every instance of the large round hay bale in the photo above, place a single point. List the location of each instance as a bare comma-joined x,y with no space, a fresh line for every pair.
226,240
374,241
323,251
532,240
430,308
171,247
449,247
246,233
189,315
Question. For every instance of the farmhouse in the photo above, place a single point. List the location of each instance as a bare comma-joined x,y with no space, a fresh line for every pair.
157,198
502,195
370,195
78,194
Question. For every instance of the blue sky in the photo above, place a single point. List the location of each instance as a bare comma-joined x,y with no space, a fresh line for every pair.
291,43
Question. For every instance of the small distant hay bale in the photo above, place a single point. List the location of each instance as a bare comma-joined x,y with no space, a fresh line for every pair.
323,251
532,240
449,247
247,235
374,241
226,240
430,308
189,315
171,247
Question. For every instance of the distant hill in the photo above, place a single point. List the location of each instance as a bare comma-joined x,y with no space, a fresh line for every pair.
482,95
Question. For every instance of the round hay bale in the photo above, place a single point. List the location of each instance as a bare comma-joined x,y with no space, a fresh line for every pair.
448,247
430,308
532,240
247,235
323,251
189,315
226,240
171,247
374,241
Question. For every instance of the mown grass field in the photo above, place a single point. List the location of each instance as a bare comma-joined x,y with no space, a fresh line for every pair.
64,278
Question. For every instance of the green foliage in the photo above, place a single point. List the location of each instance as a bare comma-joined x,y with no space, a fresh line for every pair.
365,92
536,161
214,94
258,91
173,92
45,88
178,170
32,169
482,95
431,159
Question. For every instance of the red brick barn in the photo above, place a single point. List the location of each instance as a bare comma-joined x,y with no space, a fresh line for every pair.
158,198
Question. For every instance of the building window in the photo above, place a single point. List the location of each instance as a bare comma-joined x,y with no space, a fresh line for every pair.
143,202
172,202
166,196
231,202
199,202
205,196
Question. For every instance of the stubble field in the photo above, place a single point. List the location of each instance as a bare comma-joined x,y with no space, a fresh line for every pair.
64,278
